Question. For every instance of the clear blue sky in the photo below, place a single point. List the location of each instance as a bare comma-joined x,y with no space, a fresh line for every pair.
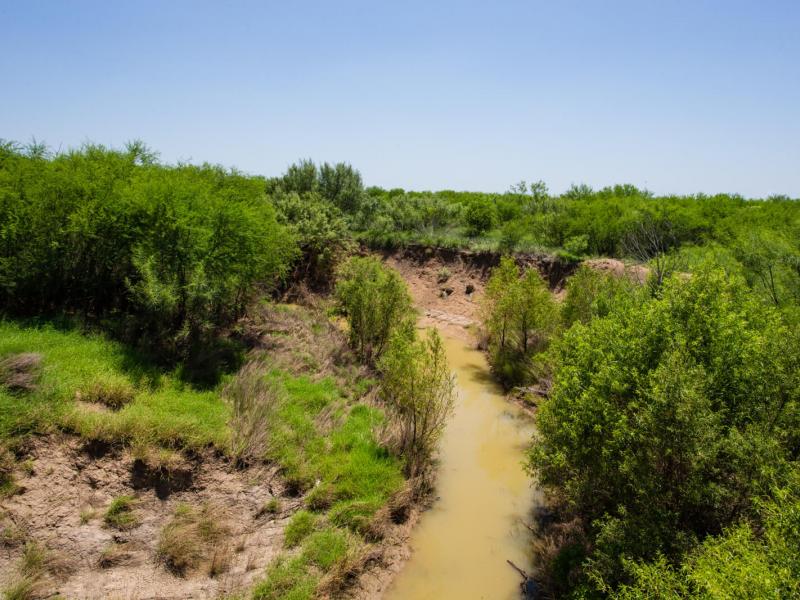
677,96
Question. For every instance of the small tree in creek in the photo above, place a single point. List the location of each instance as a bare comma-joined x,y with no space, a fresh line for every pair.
419,391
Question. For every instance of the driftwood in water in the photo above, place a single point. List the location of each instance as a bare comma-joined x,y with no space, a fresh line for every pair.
530,589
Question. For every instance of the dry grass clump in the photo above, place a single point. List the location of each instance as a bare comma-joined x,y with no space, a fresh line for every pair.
7,464
12,535
19,372
552,546
194,537
254,398
158,459
272,507
306,341
32,572
115,555
345,571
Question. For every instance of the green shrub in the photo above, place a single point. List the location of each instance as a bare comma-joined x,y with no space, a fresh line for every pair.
173,253
479,217
668,419
419,391
520,318
375,301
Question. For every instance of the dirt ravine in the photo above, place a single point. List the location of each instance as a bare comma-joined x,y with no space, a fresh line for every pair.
447,285
68,489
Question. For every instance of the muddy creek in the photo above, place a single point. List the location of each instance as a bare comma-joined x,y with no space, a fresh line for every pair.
460,546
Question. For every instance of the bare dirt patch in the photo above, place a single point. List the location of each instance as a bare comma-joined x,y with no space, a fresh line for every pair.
66,493
619,269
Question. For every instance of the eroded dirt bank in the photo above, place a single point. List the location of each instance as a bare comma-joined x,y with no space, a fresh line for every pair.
68,489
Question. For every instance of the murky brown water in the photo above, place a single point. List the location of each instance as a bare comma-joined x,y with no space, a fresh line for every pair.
461,545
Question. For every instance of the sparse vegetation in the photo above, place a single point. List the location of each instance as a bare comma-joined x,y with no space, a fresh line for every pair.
273,507
35,564
7,464
254,398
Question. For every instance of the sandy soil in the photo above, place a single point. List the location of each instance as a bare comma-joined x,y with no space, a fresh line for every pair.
70,479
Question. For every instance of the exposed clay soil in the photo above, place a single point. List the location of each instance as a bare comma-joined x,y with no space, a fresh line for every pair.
70,479
445,288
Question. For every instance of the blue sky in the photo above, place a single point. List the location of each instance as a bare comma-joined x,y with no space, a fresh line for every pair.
676,96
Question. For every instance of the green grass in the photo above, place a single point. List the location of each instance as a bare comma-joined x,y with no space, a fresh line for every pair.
287,579
297,577
153,407
299,527
325,548
316,438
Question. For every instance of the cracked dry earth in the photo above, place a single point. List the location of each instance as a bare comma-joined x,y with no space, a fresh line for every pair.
65,494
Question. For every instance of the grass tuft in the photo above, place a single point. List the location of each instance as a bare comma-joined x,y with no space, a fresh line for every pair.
254,398
193,536
272,507
120,514
114,555
7,464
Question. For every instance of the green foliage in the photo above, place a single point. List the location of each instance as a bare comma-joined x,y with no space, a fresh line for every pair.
520,318
592,293
375,301
162,410
419,389
668,418
343,456
321,231
171,253
339,184
737,563
479,218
